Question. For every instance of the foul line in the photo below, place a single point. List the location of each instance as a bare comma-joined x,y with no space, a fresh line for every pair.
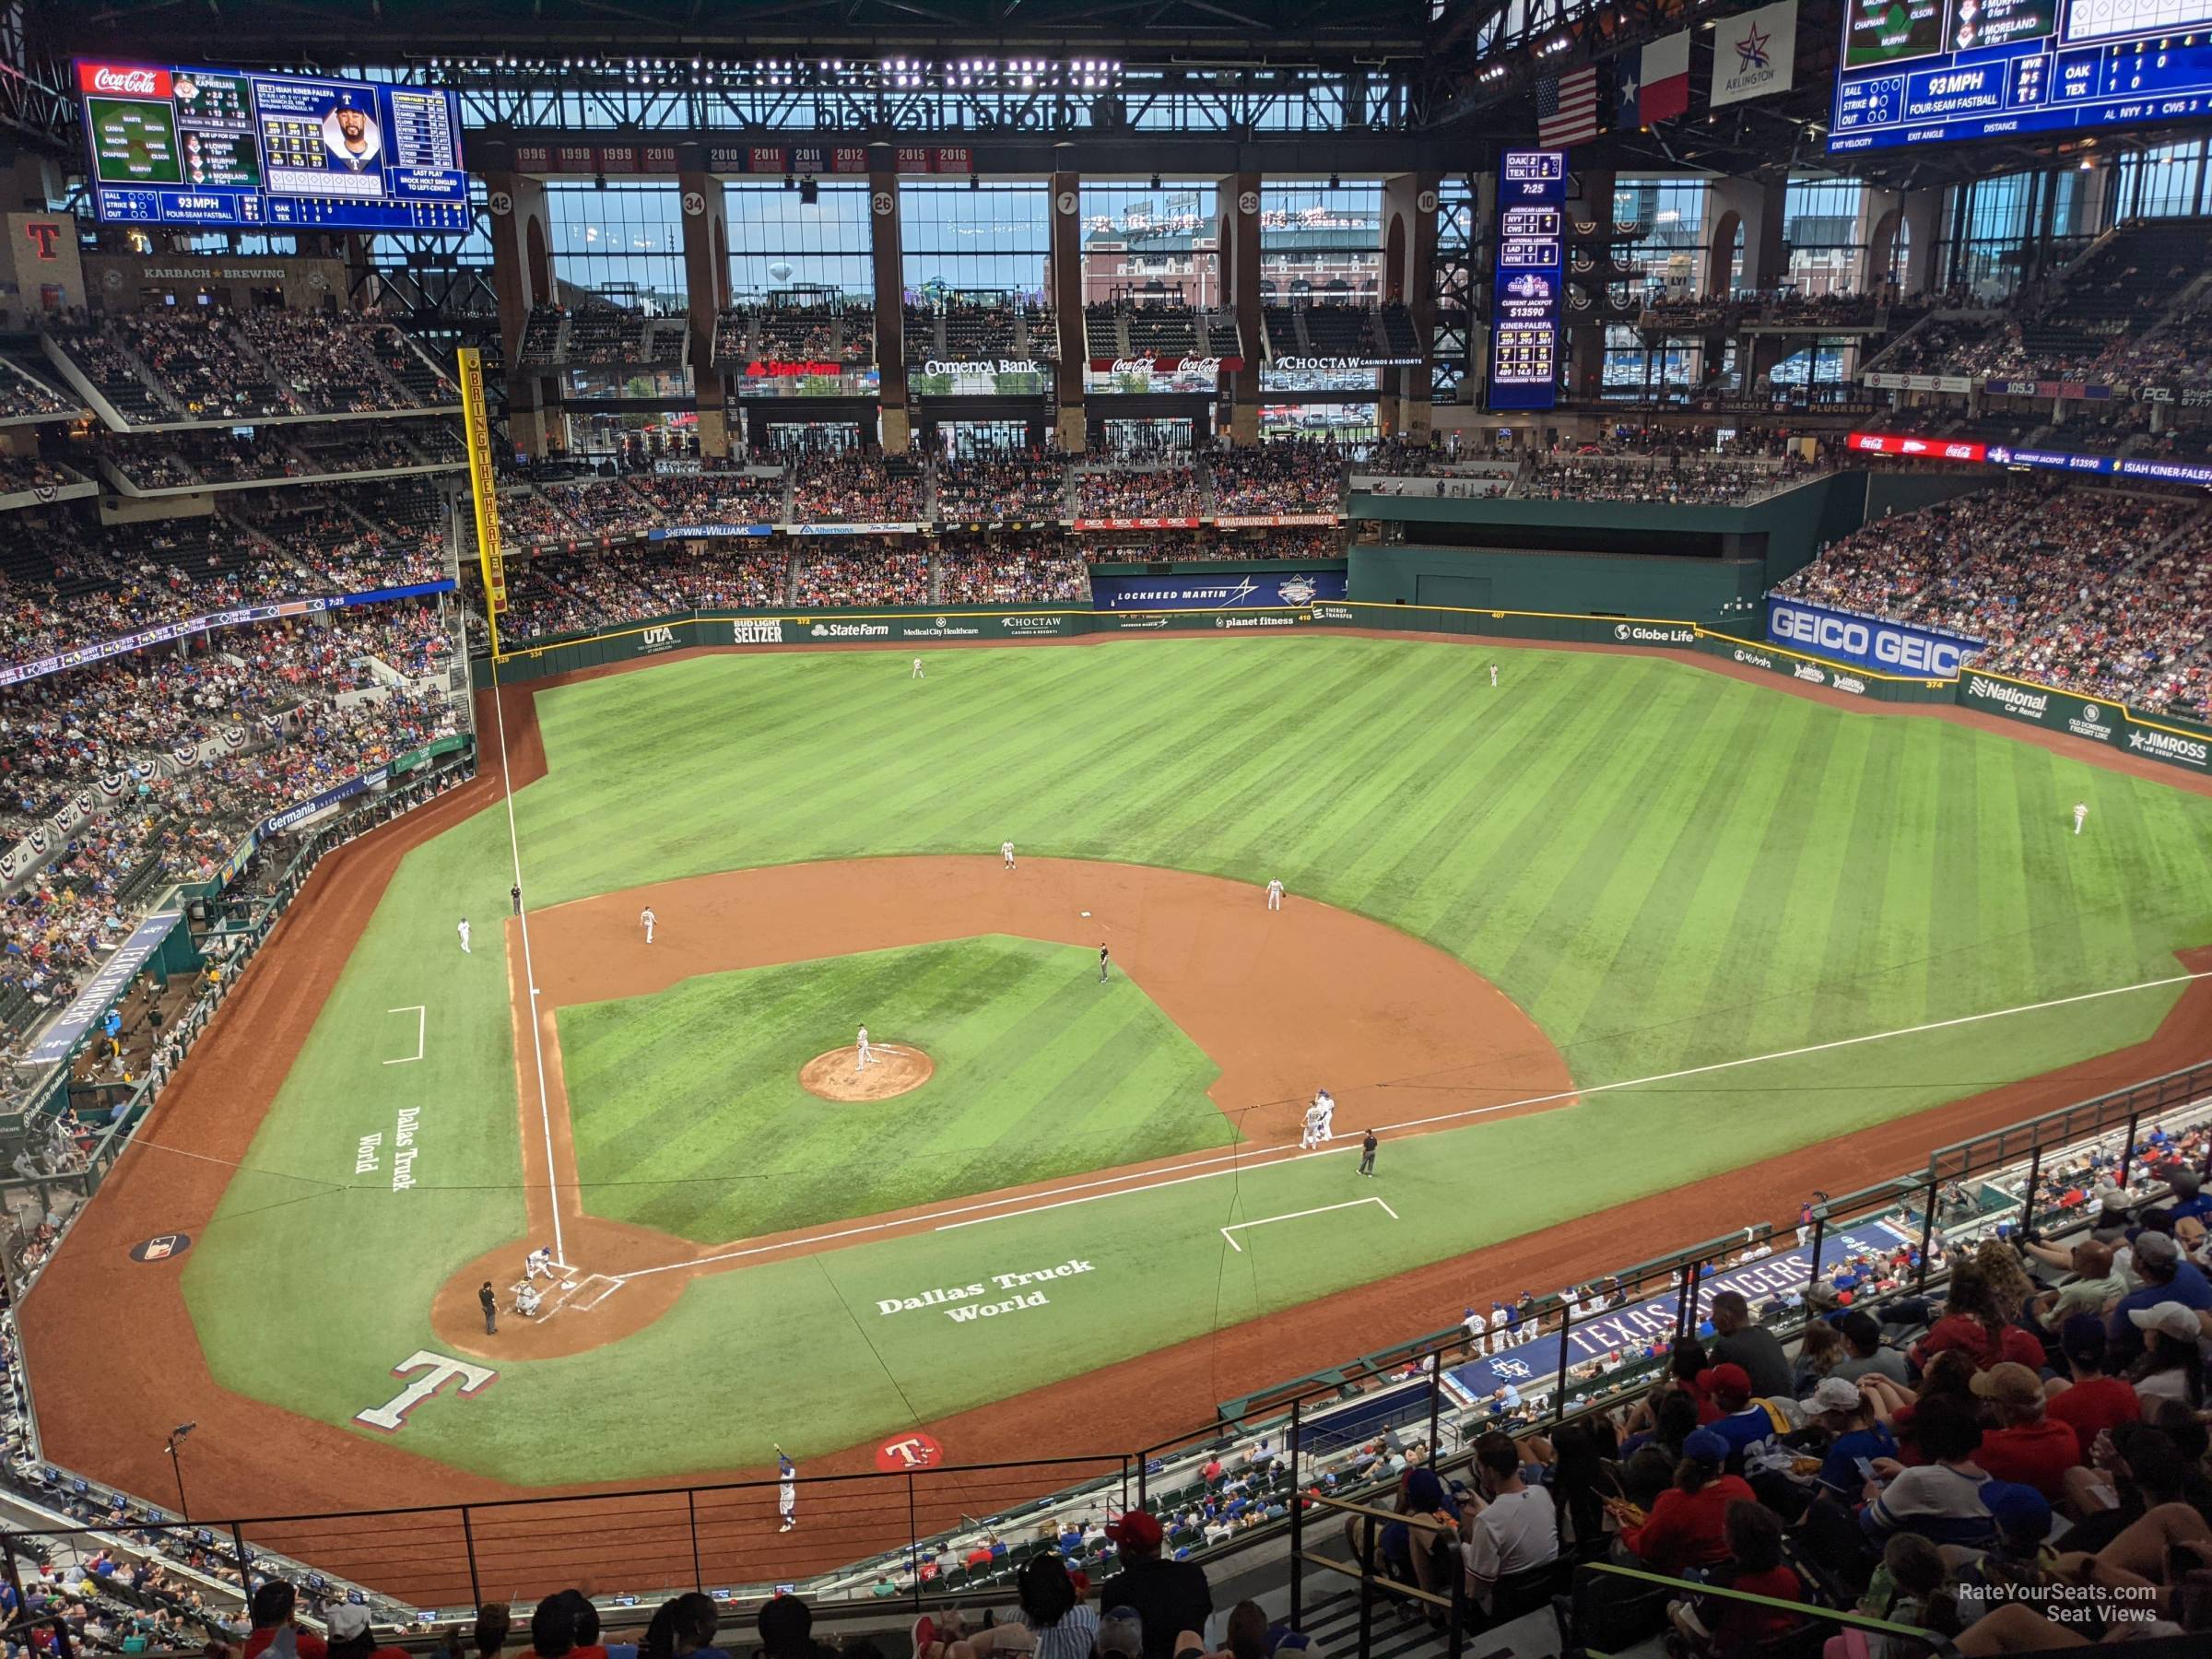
1271,1157
521,916
422,1019
1227,1232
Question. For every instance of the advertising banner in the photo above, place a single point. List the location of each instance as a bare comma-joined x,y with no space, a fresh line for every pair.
865,628
360,783
2087,717
1137,523
1215,593
1273,521
884,527
705,531
1867,641
103,987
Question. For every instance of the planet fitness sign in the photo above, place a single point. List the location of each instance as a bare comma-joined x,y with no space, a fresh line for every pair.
1867,641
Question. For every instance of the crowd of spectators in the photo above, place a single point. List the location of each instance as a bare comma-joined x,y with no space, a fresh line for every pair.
988,573
1676,480
586,592
23,394
713,498
1003,488
861,570
20,474
183,753
858,486
1290,478
1171,490
2091,589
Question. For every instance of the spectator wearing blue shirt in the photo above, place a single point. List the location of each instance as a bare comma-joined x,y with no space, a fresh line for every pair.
2167,1277
1838,1407
2188,1201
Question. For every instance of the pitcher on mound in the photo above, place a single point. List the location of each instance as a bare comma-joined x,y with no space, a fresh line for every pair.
867,1055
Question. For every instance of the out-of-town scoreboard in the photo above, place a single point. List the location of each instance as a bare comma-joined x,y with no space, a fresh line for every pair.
1931,70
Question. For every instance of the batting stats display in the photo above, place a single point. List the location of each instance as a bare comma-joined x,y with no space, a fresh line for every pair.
172,146
1531,268
1923,71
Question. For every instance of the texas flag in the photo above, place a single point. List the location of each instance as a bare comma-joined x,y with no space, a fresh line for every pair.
1659,90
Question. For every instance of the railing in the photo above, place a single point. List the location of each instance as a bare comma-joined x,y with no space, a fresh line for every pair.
903,1537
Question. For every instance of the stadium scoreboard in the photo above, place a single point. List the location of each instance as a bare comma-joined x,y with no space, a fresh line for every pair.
1531,270
176,146
1927,71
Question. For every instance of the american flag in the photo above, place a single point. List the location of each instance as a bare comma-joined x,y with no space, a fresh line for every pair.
1567,108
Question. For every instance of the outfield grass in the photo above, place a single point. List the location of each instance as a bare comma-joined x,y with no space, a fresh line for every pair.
1666,867
689,1117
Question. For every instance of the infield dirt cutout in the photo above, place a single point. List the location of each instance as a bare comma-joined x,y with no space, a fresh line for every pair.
1284,1001
892,1069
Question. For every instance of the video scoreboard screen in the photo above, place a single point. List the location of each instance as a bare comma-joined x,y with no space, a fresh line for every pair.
1927,71
175,146
1531,270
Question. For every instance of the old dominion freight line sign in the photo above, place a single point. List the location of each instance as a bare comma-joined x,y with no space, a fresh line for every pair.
2093,718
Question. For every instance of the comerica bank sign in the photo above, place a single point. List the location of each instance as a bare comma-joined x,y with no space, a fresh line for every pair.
1868,642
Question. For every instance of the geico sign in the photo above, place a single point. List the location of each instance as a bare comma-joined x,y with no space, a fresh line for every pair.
1847,636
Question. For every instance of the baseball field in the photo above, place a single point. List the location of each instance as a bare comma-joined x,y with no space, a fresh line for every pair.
1599,935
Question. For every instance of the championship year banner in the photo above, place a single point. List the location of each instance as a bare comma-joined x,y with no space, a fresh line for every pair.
1868,642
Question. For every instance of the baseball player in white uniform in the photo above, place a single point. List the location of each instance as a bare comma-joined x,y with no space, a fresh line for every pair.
787,1491
526,1301
1324,1104
867,1055
1006,853
918,674
647,920
1474,1324
2081,815
1274,894
1493,675
539,1260
465,949
1311,1126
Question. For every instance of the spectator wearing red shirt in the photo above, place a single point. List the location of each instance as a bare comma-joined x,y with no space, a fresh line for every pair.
1728,1630
1971,1322
2094,1400
2027,1446
275,1604
1687,1526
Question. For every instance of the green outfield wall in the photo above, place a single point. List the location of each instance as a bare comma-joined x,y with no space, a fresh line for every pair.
2158,737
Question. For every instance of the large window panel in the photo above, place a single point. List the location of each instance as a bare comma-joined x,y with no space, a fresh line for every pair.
622,242
1319,242
780,243
1137,239
958,239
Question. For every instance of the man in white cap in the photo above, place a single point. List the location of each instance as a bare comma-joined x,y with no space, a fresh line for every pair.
1854,1437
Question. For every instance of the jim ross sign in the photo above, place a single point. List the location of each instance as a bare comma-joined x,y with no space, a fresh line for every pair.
1866,642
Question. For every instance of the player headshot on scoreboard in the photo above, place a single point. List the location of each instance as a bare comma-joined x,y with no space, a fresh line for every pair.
349,133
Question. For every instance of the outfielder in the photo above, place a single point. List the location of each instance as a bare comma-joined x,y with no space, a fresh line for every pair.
465,949
1006,853
918,674
787,1480
1274,894
1493,676
645,918
867,1055
2081,815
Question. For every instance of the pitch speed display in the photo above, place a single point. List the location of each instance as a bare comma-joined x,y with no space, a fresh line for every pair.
175,145
1928,70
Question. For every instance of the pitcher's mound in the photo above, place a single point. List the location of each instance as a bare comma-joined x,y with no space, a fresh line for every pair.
892,1069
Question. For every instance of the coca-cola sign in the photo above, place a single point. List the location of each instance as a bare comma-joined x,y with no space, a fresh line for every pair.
1148,366
123,80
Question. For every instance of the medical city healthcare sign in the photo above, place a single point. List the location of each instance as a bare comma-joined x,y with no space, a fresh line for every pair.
1867,641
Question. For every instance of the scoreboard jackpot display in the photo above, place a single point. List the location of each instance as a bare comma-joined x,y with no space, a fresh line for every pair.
1928,70
175,145
1531,270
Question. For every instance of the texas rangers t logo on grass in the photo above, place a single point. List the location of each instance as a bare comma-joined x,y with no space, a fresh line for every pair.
437,1371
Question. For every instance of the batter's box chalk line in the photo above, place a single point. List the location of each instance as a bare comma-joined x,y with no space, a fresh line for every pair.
591,1291
1231,1231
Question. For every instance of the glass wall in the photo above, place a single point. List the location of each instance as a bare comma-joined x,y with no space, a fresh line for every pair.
1668,252
1988,258
2166,182
623,243
962,240
780,243
1823,231
1320,242
1139,238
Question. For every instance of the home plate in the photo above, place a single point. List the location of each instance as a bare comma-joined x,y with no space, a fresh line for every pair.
1087,912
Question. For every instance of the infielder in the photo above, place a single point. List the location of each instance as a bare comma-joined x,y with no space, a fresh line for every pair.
539,1260
465,949
2081,815
867,1055
1103,959
1325,1108
787,1486
1309,1136
1274,894
918,675
645,919
1006,853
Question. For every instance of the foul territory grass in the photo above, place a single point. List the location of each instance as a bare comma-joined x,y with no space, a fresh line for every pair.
688,1114
1667,867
